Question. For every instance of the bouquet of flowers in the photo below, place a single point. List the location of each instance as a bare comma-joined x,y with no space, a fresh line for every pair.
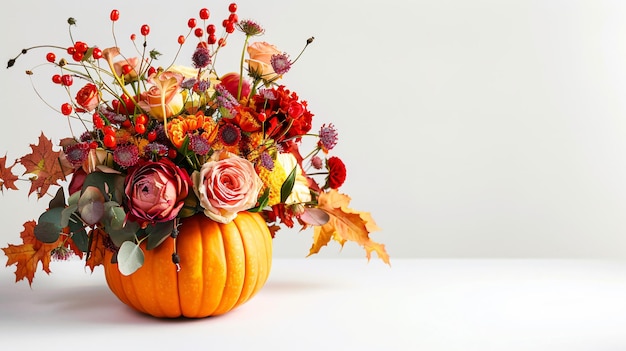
151,145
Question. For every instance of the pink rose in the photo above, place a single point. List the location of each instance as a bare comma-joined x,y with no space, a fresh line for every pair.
164,98
155,191
259,63
226,185
230,81
88,97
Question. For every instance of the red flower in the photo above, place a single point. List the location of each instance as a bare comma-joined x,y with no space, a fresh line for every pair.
336,172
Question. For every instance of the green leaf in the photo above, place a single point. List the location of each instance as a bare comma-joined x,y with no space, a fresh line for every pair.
67,213
79,234
73,199
49,226
110,184
114,215
158,232
263,200
126,233
287,187
129,258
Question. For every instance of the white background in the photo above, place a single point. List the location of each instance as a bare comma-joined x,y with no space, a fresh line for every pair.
469,128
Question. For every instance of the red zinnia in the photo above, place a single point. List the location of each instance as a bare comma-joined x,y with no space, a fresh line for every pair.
336,172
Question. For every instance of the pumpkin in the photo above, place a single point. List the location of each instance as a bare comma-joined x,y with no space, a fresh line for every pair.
221,267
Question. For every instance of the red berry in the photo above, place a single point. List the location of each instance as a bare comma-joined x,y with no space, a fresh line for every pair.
140,128
109,141
98,122
81,46
126,69
96,53
51,57
133,37
181,39
127,123
198,32
66,109
141,119
210,29
171,153
261,117
211,39
230,28
232,7
204,14
151,71
56,79
93,145
145,30
71,50
225,22
191,23
78,56
115,15
109,130
221,42
67,80
233,17
152,135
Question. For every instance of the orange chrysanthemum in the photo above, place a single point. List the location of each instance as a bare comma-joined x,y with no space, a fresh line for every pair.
179,127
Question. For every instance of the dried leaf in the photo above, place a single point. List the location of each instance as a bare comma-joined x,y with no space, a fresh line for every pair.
7,178
95,257
28,255
345,224
43,163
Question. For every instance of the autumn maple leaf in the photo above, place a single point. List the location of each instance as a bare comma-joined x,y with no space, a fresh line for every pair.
95,257
7,178
43,163
345,224
28,255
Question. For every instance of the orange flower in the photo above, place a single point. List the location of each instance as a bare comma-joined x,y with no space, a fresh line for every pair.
179,127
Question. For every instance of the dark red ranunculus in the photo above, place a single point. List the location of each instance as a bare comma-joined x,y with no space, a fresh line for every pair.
336,172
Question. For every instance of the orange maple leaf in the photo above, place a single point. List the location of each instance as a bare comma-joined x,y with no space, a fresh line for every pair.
7,178
44,164
95,257
345,224
28,255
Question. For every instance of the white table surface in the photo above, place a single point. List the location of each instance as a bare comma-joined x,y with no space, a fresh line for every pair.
344,304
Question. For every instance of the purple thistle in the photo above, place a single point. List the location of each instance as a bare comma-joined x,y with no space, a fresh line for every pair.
199,145
188,83
154,148
249,27
267,94
328,137
204,85
201,57
280,63
267,161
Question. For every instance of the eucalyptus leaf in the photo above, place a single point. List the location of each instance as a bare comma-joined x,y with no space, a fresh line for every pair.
126,233
49,226
158,232
67,213
114,215
73,199
114,188
129,258
287,187
91,205
79,234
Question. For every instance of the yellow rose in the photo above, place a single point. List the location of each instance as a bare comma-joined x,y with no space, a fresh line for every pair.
259,63
164,98
300,192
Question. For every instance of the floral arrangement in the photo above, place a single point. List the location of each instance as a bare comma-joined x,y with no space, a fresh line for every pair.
151,145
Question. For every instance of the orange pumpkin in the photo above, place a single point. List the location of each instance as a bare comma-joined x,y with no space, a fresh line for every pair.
221,267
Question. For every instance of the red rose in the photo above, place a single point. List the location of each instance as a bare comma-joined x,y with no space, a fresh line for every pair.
336,172
155,191
87,97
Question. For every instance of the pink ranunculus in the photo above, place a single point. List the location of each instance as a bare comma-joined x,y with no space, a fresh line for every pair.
164,98
225,185
259,63
88,97
155,191
230,81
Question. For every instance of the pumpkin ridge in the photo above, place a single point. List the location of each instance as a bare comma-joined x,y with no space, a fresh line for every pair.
235,273
261,235
251,257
